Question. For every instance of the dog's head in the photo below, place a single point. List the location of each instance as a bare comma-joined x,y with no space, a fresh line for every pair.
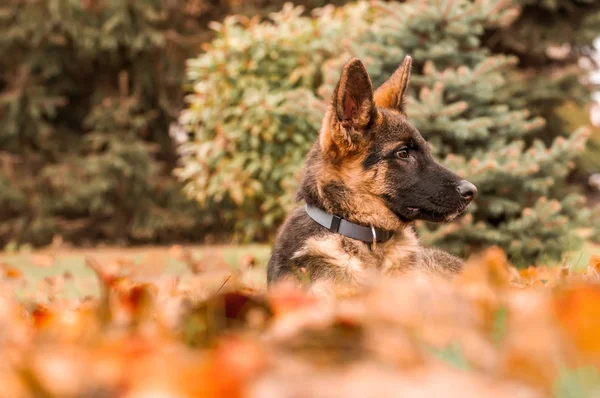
369,151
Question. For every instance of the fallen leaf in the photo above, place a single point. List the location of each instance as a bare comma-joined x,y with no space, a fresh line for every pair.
42,260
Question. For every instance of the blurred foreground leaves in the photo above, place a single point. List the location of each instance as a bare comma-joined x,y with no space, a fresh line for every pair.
494,331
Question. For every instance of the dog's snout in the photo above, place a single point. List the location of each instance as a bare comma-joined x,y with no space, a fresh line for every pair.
466,190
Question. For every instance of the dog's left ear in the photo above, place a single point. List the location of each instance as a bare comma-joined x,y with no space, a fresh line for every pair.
351,111
392,93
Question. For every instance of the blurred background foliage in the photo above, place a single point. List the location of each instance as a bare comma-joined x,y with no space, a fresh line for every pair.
90,91
486,98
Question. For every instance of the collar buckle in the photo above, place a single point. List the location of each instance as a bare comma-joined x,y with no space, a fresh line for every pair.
374,237
335,223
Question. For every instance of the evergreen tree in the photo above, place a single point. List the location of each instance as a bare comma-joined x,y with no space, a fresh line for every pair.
472,106
553,41
87,92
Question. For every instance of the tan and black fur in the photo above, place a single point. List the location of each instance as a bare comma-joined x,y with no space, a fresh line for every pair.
369,166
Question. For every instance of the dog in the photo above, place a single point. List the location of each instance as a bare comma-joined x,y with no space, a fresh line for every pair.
367,178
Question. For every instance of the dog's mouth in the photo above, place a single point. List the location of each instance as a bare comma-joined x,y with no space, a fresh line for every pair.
438,214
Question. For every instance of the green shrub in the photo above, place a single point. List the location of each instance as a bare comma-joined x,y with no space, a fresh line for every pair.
254,110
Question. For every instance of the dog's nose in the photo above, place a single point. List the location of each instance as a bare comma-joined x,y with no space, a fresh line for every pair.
466,189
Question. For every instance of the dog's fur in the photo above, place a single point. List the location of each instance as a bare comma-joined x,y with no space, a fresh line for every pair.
369,166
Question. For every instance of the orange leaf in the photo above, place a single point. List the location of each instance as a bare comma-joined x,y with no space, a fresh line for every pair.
10,272
491,267
176,251
42,316
595,262
578,311
138,299
287,297
248,261
42,260
242,359
529,273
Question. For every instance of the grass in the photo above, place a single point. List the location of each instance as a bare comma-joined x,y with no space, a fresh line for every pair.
83,281
38,265
581,258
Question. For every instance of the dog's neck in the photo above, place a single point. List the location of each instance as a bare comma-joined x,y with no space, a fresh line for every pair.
324,186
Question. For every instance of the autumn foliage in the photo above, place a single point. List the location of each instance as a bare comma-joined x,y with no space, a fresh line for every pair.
494,331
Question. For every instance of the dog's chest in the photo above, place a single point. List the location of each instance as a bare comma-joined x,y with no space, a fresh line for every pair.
396,255
350,260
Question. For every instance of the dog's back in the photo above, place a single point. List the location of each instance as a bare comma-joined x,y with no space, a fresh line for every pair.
296,230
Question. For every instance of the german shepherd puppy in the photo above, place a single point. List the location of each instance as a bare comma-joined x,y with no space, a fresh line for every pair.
367,178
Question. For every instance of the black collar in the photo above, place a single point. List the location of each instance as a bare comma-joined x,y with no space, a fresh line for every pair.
347,228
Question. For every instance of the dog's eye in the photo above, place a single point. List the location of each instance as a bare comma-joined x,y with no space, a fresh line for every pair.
402,153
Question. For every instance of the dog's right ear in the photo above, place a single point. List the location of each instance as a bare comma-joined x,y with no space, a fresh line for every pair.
352,108
392,93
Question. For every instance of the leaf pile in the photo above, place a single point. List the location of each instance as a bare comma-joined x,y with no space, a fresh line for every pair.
494,331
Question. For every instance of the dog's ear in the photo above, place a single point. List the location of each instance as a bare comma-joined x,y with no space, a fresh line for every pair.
352,108
392,93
